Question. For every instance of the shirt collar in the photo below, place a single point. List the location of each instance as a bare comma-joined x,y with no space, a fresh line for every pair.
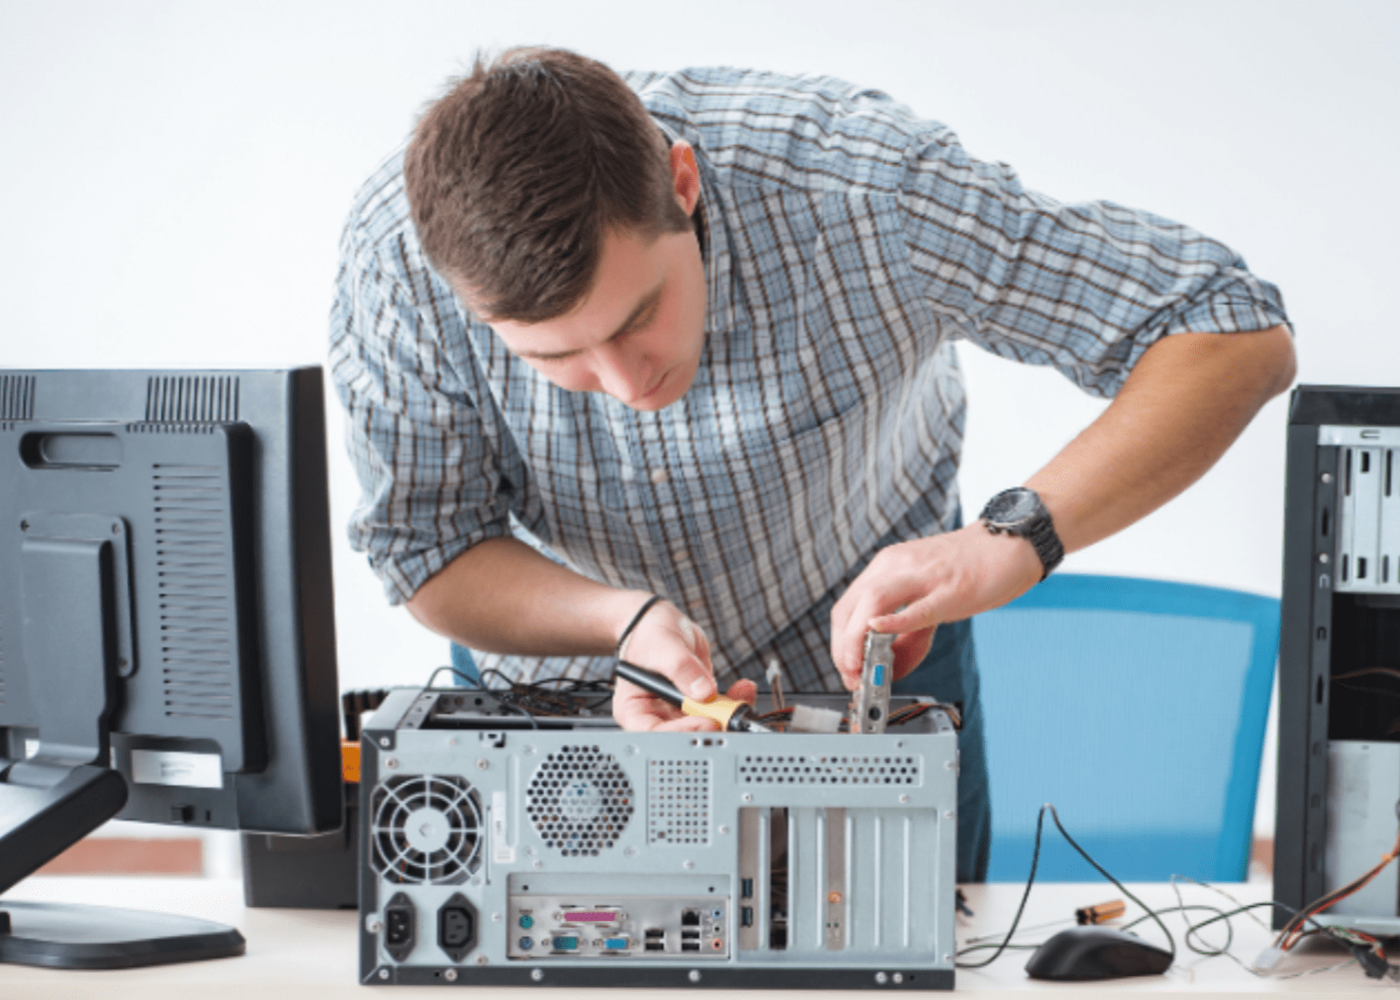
716,250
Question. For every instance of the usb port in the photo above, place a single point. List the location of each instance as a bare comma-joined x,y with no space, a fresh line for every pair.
656,944
656,932
746,888
692,945
746,916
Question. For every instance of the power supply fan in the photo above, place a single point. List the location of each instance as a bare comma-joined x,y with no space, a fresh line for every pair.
580,800
425,828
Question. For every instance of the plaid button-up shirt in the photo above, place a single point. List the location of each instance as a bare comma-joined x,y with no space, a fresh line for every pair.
848,245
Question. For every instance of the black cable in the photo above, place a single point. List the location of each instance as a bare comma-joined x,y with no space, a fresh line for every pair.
1030,880
479,686
432,678
1104,872
1128,926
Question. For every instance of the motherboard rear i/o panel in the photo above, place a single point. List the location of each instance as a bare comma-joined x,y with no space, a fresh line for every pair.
500,850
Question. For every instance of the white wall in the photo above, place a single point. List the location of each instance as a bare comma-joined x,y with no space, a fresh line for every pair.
174,177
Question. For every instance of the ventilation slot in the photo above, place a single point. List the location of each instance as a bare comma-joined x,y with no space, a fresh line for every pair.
830,770
580,801
16,397
425,828
196,600
192,399
678,802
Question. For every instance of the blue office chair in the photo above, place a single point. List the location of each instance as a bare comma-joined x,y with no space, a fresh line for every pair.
1137,707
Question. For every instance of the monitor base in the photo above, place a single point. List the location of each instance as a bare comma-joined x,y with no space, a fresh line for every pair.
75,936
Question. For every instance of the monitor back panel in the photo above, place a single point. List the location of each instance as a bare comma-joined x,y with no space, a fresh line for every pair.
496,853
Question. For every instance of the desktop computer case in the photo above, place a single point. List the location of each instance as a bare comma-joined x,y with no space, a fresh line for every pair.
1339,731
577,854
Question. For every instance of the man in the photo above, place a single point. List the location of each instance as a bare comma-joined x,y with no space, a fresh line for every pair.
694,333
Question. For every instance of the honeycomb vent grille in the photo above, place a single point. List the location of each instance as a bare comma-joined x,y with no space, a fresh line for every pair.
678,802
580,801
184,399
196,602
425,829
830,769
16,397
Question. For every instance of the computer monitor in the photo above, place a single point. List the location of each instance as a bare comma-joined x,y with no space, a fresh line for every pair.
167,635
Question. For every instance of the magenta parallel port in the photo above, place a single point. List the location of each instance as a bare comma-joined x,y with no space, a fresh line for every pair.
590,916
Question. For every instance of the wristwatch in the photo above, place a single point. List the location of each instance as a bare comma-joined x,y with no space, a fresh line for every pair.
1019,511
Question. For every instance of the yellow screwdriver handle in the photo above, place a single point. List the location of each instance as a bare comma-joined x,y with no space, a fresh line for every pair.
717,708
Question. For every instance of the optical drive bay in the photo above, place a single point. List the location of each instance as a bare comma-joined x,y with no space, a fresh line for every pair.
577,854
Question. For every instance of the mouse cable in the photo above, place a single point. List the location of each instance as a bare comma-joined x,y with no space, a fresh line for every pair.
1028,946
1030,880
1219,915
1349,939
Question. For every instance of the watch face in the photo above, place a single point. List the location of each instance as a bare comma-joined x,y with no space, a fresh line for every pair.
1012,506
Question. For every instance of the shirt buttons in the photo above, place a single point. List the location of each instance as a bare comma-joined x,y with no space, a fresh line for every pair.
680,557
660,476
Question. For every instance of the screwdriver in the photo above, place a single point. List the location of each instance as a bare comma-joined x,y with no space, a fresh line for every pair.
730,713
1095,914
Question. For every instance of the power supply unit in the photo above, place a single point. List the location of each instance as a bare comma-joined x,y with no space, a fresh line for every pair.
501,849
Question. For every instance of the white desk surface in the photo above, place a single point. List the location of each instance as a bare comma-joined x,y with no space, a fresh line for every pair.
311,955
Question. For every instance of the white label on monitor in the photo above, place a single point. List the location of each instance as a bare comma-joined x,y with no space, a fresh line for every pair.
31,747
170,767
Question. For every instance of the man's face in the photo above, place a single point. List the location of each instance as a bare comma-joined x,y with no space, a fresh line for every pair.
638,333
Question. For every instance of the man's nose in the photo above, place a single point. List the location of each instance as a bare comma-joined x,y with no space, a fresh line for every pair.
622,376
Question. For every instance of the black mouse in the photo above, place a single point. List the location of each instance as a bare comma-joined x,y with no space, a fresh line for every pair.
1096,953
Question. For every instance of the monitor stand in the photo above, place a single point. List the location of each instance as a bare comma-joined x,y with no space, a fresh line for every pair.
39,819
52,798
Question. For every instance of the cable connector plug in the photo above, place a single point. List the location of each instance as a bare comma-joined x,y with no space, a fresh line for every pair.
1372,961
1267,959
811,719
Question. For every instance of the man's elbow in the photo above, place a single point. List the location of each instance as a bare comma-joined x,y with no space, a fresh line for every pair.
1280,364
430,605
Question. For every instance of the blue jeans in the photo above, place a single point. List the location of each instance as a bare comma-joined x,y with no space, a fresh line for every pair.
464,672
948,673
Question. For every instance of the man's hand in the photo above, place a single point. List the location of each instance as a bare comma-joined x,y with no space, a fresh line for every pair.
934,580
668,642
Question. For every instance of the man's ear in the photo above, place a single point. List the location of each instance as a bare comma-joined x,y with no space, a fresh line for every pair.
685,175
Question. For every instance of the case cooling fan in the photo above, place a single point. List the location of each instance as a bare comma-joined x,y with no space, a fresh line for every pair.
425,828
580,800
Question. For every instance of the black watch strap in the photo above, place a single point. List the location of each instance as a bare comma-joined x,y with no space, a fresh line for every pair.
1035,525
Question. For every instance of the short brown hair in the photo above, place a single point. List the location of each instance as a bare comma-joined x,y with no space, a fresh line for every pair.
518,172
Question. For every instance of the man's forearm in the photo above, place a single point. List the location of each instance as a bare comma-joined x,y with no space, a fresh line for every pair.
1187,399
502,596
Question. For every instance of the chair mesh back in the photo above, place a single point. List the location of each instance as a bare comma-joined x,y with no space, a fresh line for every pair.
1142,724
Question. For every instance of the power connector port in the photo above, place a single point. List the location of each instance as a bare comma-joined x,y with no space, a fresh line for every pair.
399,927
456,927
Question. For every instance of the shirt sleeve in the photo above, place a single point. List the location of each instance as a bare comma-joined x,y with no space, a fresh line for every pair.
1084,287
428,459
